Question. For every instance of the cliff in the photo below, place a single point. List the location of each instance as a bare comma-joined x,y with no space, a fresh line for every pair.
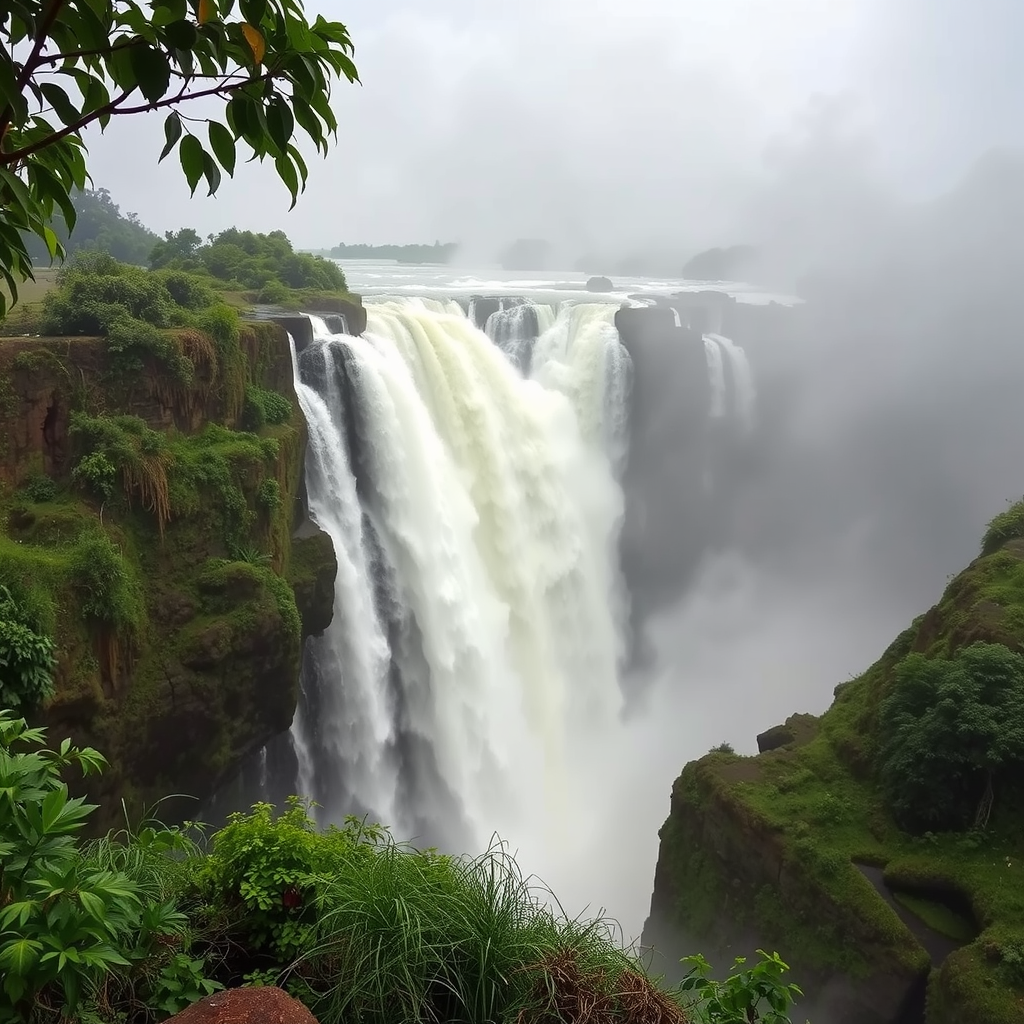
796,849
152,522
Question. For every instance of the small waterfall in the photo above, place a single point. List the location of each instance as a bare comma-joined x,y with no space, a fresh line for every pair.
743,379
716,372
514,329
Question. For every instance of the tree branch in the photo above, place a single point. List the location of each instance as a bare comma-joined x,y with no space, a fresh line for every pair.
114,109
78,54
30,65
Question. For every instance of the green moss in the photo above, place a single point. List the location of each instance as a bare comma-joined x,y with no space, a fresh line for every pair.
816,809
172,657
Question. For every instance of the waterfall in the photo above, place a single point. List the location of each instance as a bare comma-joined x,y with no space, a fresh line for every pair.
476,636
580,355
743,379
716,371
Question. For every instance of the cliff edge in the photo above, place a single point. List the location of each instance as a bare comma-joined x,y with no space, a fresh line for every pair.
152,522
798,849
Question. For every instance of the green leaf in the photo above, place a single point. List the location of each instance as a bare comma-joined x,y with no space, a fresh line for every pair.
212,172
223,145
172,132
61,103
19,955
280,122
286,172
152,70
181,34
191,154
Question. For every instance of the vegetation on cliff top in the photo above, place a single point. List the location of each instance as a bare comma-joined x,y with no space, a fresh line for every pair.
264,264
139,924
66,64
930,737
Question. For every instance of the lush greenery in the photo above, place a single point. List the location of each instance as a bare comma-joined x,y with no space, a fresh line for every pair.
263,263
1008,525
68,64
910,745
26,657
101,227
952,732
137,925
439,252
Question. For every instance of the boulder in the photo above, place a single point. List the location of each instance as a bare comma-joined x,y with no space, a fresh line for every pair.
263,1005
599,284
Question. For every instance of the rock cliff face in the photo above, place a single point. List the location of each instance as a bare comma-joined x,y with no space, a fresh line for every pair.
179,588
794,849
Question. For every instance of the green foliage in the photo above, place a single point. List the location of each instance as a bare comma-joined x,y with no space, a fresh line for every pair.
754,995
99,227
263,407
268,495
187,290
40,488
265,263
26,658
96,473
723,748
64,67
109,592
1006,526
952,730
94,290
73,919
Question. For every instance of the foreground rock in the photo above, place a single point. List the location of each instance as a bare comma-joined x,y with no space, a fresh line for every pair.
246,1006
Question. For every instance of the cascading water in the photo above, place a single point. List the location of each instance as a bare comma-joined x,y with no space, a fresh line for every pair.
716,373
743,378
475,629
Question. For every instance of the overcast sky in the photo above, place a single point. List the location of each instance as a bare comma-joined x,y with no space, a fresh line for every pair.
606,124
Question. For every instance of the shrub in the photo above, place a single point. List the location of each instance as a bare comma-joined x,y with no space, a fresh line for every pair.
188,290
263,407
41,488
26,658
73,921
268,495
755,995
273,293
952,730
1004,527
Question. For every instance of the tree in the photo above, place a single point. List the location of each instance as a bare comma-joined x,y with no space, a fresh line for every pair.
952,730
178,248
68,64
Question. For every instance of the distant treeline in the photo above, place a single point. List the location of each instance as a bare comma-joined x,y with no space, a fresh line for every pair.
439,252
101,227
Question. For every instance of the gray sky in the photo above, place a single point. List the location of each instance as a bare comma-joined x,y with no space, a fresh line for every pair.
603,124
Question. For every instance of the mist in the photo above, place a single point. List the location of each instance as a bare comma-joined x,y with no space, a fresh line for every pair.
871,152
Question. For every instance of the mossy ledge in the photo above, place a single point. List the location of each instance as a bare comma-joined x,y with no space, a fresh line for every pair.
159,535
764,851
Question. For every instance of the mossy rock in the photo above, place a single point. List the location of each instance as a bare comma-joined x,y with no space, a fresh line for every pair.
761,851
203,668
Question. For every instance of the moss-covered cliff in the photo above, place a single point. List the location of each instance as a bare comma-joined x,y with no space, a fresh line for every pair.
151,521
796,849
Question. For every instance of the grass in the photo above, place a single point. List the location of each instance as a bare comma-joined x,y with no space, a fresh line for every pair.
379,932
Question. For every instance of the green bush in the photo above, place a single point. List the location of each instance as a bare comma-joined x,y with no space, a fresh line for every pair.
263,407
273,293
952,732
41,488
1006,526
754,995
108,590
26,658
73,921
188,290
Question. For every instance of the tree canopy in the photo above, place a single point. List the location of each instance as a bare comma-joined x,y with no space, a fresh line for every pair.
952,731
247,259
68,64
100,227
